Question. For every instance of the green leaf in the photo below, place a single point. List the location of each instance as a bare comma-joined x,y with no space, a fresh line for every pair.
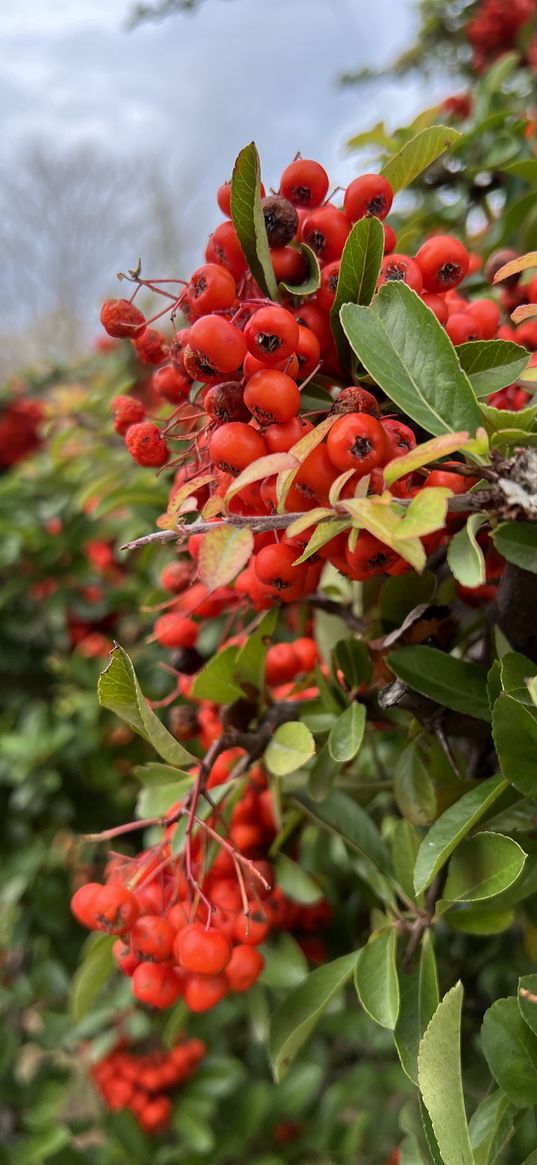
490,1127
119,690
491,364
376,978
418,987
440,1080
347,734
517,542
455,683
285,963
248,219
312,282
251,660
479,919
401,594
298,1014
404,846
510,1049
40,1146
483,866
341,815
358,275
322,775
156,774
514,728
291,747
96,967
414,789
296,882
450,829
352,658
407,352
527,1000
155,800
465,556
223,553
418,154
216,681
516,671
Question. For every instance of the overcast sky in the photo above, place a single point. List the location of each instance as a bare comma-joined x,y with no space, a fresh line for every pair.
186,94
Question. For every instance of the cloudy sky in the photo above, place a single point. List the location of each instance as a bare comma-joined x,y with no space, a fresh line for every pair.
183,95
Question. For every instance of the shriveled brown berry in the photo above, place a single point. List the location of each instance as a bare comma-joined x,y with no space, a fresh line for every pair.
184,722
356,400
186,660
499,259
225,402
122,319
281,220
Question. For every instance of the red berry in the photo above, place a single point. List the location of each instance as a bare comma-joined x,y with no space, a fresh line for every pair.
214,345
202,951
83,904
234,446
326,230
443,263
152,938
357,441
371,194
281,438
151,346
211,288
400,269
244,967
437,304
369,557
390,239
272,397
224,247
156,985
401,439
116,909
204,991
304,182
127,411
223,198
329,281
176,630
308,352
275,568
271,334
170,384
462,327
146,445
121,319
289,265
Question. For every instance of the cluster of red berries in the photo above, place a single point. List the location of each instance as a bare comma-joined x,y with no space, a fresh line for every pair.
198,944
496,27
236,377
141,1082
19,430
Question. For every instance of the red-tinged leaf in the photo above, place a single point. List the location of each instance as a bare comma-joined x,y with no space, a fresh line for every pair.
223,553
312,518
322,534
525,312
300,452
423,454
523,263
264,467
189,489
338,484
426,513
381,517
